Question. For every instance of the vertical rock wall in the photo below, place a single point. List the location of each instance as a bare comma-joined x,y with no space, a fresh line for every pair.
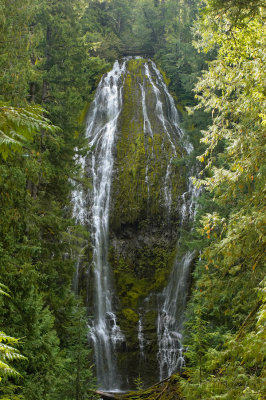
144,224
134,213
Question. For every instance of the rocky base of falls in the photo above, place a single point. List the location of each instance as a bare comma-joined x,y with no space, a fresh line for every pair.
168,389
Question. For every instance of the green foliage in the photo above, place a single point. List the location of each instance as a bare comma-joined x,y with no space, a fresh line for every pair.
4,290
139,383
48,63
15,61
237,10
8,353
18,126
53,53
75,379
236,97
227,359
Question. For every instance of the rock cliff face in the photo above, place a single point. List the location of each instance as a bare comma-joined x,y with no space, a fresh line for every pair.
135,219
144,213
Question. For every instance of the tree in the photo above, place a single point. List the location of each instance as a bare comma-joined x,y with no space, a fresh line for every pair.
8,353
15,60
18,126
76,379
231,267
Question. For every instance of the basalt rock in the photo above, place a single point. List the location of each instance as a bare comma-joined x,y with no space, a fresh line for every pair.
144,212
134,211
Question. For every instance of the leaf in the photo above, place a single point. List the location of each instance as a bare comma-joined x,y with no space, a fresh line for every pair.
19,125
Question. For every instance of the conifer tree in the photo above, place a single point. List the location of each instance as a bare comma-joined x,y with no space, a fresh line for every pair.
8,354
231,268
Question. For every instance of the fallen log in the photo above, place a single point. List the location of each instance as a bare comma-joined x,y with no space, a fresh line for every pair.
160,394
167,389
106,395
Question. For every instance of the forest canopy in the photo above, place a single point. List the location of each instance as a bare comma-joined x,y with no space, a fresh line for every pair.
52,57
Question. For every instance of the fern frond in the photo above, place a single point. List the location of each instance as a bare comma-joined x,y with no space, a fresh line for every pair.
19,125
6,370
8,353
3,290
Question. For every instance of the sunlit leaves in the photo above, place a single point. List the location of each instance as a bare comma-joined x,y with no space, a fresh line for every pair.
8,353
232,261
18,126
233,89
4,290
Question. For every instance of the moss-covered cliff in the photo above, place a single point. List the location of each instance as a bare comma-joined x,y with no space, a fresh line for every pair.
144,213
143,155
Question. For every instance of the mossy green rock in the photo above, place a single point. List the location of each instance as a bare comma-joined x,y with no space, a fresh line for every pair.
142,158
143,221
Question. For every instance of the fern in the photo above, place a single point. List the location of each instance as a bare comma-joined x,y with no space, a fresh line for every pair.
8,353
18,126
3,290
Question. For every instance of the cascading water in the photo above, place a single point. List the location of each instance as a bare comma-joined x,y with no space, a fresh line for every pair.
147,129
164,122
162,137
101,131
173,299
80,215
141,339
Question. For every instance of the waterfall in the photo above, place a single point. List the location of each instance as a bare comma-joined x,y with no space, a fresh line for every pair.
164,122
141,339
173,299
80,215
101,130
173,111
147,129
92,208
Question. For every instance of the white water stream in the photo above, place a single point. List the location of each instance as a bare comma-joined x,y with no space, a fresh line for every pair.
101,131
105,333
173,299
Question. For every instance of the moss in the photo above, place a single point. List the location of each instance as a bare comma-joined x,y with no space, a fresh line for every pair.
168,389
165,77
147,271
84,112
149,320
181,109
142,160
130,190
142,234
131,289
130,315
